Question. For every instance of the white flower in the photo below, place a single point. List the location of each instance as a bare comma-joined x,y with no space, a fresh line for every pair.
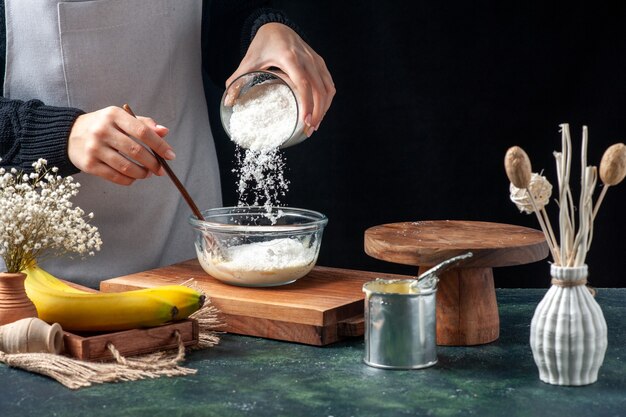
37,218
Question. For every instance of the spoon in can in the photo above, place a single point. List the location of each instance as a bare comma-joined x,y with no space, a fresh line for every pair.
440,267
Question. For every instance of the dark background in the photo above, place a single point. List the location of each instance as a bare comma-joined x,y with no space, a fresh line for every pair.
430,95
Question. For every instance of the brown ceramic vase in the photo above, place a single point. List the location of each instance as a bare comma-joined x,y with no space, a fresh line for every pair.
14,303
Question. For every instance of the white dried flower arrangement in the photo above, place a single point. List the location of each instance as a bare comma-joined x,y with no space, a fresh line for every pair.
568,332
531,193
37,218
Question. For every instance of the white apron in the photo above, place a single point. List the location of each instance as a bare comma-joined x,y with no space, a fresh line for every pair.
93,54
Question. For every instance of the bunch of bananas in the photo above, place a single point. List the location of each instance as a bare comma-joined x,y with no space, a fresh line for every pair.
77,310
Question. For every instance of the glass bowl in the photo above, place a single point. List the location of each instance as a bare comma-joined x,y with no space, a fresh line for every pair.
244,246
248,89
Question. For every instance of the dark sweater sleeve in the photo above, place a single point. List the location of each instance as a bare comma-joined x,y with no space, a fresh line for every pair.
30,130
228,28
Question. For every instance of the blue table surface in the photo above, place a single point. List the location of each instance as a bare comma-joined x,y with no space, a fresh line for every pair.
246,376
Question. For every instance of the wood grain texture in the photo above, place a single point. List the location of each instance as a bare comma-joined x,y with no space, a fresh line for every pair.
89,347
426,243
311,310
467,310
79,287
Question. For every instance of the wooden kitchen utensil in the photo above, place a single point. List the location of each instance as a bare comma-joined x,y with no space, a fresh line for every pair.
181,188
323,307
467,310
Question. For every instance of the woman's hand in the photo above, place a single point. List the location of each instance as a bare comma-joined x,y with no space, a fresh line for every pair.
277,45
100,144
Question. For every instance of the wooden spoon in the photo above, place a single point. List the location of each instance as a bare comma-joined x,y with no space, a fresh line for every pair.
173,177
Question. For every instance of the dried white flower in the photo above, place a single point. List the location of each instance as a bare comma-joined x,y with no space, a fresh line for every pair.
37,218
539,187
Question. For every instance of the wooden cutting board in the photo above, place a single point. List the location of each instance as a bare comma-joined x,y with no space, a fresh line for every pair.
321,308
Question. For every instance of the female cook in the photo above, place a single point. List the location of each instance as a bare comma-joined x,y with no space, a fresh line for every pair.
83,59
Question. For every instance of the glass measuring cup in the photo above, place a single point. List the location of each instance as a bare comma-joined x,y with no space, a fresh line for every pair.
247,87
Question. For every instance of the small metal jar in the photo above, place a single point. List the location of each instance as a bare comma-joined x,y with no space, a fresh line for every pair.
400,323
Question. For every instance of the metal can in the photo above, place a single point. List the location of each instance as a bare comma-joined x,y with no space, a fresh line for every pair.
400,323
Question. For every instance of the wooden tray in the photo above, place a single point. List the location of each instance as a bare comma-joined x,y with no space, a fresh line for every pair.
322,308
93,346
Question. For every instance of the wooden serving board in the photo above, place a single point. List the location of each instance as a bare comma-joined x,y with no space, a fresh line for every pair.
93,346
467,309
321,308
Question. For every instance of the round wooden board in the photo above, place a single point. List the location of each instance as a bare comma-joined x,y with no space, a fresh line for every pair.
467,309
426,243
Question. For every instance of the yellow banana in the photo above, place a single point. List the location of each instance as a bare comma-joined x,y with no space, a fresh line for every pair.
187,300
44,276
83,311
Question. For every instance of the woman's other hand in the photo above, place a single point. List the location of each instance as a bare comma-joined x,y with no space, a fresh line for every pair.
100,143
277,45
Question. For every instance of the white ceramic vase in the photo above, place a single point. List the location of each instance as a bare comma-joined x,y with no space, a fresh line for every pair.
568,333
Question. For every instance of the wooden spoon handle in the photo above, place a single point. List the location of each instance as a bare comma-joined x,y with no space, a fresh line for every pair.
172,176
